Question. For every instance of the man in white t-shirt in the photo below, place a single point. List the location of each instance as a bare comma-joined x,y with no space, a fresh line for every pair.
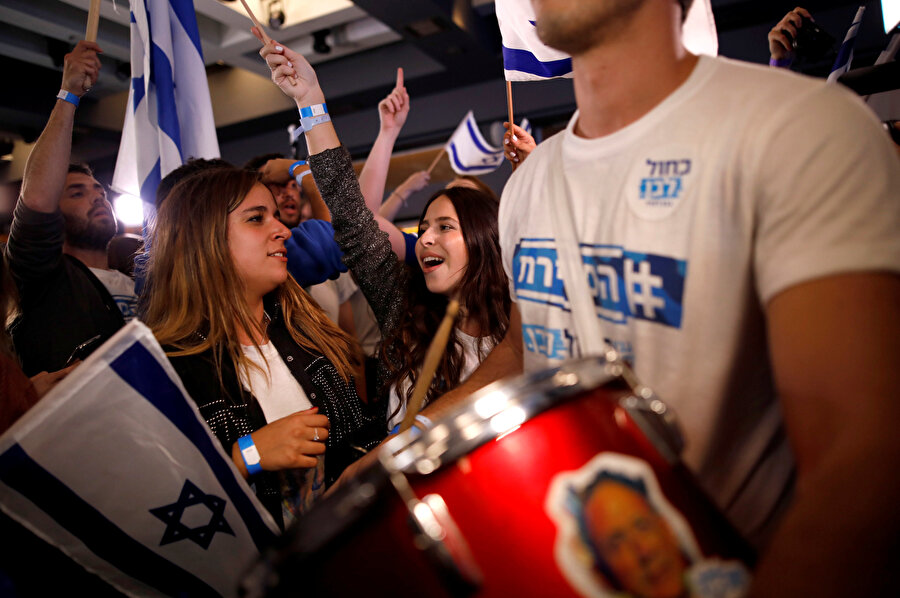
62,224
740,231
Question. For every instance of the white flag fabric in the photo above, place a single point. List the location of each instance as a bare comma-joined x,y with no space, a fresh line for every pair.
525,57
469,152
117,469
699,30
169,115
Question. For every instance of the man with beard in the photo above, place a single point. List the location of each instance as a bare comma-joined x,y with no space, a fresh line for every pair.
57,243
740,228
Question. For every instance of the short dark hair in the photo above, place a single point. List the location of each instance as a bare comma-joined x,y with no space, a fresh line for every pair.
685,7
81,168
257,162
192,166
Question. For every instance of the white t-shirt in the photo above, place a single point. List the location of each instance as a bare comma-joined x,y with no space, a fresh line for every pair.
743,182
279,394
327,296
471,360
121,288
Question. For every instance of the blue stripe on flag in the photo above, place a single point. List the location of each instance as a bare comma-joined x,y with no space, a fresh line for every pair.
137,84
151,182
474,135
141,370
460,166
524,61
166,112
99,534
184,10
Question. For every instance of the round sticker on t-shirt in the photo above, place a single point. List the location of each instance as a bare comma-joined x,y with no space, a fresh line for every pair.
659,181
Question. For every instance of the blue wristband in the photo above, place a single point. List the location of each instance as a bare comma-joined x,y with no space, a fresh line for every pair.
67,96
781,62
249,454
426,423
294,166
311,116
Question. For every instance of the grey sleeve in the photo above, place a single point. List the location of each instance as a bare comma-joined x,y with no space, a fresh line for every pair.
382,278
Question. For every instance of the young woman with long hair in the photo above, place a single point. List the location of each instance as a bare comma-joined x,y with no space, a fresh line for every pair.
457,252
265,365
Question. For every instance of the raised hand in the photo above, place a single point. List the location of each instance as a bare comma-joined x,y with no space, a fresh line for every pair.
782,35
393,110
81,67
291,72
517,143
289,443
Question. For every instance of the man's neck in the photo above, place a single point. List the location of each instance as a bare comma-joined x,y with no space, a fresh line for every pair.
92,258
619,81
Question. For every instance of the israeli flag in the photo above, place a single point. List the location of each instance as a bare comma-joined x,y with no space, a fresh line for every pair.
469,152
116,468
169,116
525,57
845,54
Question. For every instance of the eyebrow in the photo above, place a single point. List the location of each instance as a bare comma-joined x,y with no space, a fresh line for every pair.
262,209
85,186
439,219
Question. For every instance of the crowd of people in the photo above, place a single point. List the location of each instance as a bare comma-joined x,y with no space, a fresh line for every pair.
740,225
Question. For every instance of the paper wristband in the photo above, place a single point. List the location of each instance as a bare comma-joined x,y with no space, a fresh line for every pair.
67,96
249,454
311,116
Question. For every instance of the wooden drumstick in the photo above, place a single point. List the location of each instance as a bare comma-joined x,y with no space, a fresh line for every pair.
90,34
258,25
432,357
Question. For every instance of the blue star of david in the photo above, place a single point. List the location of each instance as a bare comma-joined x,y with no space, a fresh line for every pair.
202,535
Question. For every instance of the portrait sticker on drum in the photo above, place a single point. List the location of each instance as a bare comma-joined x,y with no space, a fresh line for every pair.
617,535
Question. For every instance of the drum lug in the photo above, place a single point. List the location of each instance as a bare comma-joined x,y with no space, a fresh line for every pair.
656,420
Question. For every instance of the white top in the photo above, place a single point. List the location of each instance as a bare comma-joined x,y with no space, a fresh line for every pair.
744,182
366,326
278,392
471,360
327,296
121,288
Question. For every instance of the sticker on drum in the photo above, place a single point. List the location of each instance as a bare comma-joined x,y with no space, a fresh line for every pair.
617,534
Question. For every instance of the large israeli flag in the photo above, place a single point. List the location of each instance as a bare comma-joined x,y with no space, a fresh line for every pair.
469,152
117,469
526,58
169,117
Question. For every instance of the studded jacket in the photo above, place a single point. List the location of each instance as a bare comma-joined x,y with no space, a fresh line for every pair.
232,412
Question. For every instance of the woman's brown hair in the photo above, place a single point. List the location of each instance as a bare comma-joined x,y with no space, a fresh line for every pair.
194,296
483,291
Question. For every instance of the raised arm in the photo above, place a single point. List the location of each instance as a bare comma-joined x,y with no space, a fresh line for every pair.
367,252
392,113
46,168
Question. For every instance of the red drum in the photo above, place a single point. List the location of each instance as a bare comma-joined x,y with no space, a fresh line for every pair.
561,483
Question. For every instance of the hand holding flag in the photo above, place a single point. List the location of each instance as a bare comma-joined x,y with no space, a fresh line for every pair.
291,72
81,67
519,142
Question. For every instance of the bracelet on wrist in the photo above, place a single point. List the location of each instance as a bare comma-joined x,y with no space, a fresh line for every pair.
310,116
294,166
249,454
781,62
67,96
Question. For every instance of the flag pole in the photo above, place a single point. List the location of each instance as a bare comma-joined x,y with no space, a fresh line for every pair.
258,25
90,34
437,159
509,110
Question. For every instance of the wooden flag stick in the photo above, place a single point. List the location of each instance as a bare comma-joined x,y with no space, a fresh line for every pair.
437,159
509,111
262,31
93,21
435,350
90,33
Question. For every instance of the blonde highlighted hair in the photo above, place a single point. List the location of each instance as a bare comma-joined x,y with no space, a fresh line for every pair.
194,295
